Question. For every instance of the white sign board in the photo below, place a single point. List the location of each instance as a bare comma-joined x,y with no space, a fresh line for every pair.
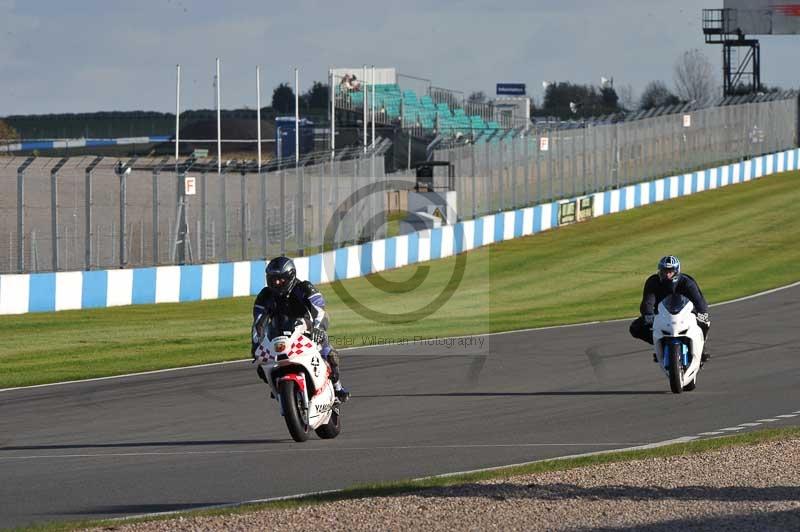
190,186
687,120
761,17
544,143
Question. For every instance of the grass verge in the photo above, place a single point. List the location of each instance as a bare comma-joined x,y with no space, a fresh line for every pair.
410,487
735,241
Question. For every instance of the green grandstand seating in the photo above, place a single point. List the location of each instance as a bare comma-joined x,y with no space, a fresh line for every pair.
390,99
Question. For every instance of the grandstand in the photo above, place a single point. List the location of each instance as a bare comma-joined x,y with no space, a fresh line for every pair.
430,111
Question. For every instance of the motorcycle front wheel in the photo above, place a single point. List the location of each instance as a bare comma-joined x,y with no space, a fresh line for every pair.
293,411
674,351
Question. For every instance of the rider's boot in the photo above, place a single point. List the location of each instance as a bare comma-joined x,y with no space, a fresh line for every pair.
655,358
341,392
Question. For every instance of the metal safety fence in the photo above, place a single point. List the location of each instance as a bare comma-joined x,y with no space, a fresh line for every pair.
84,213
516,168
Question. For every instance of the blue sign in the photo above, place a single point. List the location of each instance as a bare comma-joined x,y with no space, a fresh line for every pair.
511,89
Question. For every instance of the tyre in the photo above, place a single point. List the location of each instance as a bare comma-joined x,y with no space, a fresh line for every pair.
293,412
330,429
675,368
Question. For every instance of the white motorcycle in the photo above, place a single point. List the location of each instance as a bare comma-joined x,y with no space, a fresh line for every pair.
299,378
678,341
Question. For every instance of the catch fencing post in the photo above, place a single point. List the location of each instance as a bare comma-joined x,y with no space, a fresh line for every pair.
121,171
527,162
584,159
88,208
243,192
224,204
264,232
514,172
21,213
501,181
472,149
538,170
202,234
550,171
321,205
299,173
488,179
283,209
574,162
156,172
54,212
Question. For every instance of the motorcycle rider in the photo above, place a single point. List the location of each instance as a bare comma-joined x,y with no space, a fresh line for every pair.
286,296
666,281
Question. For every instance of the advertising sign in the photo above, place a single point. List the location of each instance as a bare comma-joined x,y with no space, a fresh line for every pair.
511,89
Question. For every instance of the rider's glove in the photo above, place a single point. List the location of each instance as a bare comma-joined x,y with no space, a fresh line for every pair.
703,318
648,319
319,335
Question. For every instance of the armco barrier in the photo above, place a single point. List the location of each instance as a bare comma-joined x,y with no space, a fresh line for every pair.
42,292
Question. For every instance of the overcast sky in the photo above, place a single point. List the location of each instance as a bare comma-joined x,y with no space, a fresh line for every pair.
101,55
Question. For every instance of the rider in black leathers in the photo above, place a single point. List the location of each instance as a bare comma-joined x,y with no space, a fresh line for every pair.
669,280
289,298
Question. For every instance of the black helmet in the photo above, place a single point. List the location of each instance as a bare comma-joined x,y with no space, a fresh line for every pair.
668,264
281,276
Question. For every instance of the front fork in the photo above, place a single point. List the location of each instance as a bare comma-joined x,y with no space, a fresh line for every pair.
665,358
298,379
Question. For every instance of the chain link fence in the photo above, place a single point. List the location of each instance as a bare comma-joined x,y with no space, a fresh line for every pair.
512,169
82,213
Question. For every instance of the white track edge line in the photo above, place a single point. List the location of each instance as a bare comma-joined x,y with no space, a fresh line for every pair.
683,439
759,294
305,450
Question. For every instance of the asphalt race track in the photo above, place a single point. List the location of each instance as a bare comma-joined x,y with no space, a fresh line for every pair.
208,436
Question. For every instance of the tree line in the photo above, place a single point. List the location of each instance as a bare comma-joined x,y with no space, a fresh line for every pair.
693,80
110,124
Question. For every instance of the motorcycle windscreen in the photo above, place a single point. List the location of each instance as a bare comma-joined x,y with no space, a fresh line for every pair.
281,325
674,303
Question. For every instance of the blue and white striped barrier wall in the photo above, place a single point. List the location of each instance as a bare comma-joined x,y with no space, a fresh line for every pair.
28,145
42,292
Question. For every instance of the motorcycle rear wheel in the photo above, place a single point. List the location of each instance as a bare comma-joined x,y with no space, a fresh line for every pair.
332,428
675,368
292,401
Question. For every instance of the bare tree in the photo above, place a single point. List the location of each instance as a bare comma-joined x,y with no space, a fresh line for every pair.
693,76
626,98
